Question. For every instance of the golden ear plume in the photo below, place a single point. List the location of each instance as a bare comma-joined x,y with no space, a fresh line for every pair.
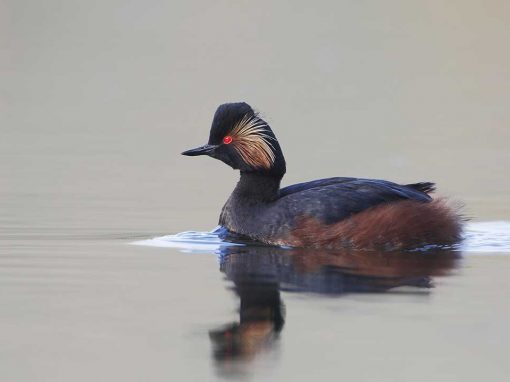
253,143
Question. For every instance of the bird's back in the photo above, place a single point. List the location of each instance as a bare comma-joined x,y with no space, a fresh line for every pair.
334,199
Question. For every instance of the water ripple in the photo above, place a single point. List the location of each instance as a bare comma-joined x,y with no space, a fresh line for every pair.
479,237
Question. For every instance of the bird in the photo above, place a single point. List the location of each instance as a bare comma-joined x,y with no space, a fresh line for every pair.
338,212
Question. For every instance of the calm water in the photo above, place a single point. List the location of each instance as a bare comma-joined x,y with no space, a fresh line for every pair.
98,102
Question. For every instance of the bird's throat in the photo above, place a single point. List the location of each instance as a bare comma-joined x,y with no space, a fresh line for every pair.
258,187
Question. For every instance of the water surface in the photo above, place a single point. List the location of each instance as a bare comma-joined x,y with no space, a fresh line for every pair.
99,99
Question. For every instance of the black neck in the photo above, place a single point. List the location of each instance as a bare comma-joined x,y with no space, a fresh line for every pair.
258,187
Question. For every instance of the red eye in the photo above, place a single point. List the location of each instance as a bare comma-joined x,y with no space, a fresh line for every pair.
227,140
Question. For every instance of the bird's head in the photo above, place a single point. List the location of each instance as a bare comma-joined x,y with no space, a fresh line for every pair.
243,140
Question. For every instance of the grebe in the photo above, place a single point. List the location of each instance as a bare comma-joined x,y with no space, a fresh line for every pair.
335,212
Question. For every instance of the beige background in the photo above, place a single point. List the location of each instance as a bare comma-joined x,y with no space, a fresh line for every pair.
98,99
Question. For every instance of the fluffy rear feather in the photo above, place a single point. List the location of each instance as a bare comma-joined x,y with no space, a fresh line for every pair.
405,224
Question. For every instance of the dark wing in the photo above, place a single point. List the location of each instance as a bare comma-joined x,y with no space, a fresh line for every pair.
423,187
314,183
335,199
426,187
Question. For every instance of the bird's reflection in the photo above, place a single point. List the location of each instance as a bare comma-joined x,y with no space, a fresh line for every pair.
259,273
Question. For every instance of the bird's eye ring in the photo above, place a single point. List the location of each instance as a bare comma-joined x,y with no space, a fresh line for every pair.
227,140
